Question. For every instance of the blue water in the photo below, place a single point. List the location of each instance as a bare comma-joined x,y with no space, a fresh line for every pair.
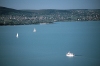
50,43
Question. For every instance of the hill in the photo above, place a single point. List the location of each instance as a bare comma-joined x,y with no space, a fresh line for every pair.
9,16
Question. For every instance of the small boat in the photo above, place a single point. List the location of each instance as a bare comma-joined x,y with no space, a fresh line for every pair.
17,35
69,54
34,30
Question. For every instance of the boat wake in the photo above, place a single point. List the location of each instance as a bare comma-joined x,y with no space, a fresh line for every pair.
77,55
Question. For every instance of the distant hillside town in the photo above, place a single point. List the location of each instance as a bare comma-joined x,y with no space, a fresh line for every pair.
10,16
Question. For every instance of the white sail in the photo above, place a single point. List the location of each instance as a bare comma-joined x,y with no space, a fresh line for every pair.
17,35
34,30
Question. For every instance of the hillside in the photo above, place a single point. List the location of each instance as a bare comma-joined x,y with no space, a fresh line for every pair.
10,16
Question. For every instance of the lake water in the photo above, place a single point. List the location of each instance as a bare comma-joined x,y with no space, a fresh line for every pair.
50,43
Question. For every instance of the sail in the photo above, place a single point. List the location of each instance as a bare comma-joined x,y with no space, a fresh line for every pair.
17,35
34,30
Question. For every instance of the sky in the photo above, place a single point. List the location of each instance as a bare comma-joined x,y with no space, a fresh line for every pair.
51,4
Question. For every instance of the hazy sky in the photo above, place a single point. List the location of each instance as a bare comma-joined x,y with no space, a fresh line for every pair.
51,4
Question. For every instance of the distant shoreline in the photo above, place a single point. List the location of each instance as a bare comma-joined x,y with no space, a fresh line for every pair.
48,23
10,16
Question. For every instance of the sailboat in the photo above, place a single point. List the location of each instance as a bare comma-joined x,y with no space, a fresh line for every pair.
34,30
17,35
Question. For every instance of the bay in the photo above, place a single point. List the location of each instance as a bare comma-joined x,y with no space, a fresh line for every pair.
50,43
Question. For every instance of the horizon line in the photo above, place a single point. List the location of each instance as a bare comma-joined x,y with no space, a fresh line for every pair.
51,9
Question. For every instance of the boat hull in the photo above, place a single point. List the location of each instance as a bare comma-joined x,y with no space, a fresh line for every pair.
69,55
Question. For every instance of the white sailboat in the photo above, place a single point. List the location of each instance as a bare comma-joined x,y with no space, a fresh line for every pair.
17,35
34,30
